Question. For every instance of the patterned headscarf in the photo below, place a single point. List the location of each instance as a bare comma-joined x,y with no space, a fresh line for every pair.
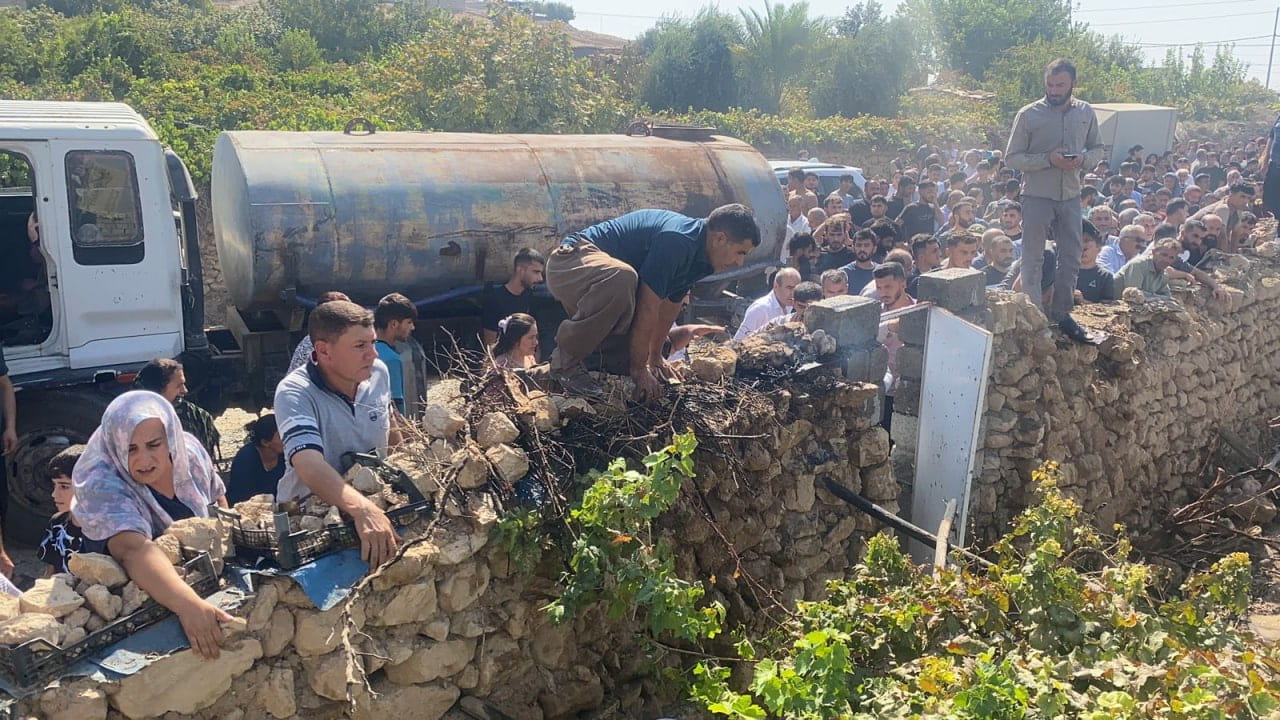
107,499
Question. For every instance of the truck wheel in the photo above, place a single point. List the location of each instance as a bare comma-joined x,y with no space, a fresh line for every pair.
48,422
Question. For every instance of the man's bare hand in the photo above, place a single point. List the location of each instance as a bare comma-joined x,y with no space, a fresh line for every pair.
1062,162
647,387
666,371
1220,294
10,440
377,537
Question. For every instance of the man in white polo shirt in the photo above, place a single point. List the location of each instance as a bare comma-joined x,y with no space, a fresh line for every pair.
339,402
775,303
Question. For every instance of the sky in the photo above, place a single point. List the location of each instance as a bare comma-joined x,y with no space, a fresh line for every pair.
1156,25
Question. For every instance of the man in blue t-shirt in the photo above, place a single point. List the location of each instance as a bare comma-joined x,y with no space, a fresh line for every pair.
393,321
628,276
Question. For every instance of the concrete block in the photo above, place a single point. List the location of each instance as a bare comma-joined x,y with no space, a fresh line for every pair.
913,328
911,362
865,364
852,320
906,399
954,288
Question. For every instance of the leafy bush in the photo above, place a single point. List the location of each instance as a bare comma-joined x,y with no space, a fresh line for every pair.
967,122
1063,625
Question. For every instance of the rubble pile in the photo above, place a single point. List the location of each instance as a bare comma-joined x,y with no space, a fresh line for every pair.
782,347
1131,419
452,620
257,513
64,608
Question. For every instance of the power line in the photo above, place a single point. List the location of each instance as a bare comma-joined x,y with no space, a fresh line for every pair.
1223,41
1187,19
1165,6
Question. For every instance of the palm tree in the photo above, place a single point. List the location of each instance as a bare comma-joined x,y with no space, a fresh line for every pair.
777,45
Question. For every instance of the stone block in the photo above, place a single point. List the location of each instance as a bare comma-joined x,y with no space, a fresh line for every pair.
954,288
852,320
97,569
184,682
432,661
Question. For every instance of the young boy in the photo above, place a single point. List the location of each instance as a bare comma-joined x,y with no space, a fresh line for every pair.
63,536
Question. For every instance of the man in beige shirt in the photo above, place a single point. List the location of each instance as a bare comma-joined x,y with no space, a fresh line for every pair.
1051,140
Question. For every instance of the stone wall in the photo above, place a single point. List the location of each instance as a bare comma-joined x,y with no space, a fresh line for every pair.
452,618
1131,420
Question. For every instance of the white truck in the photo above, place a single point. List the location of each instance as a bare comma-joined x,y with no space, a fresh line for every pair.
113,277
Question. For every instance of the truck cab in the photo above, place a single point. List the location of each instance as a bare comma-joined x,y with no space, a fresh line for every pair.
93,274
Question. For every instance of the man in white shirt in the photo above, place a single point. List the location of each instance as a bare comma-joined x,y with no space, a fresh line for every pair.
775,304
796,223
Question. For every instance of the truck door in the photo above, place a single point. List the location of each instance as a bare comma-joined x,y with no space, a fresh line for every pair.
120,266
30,313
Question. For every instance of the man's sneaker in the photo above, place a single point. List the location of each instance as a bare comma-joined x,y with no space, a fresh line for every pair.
577,381
1072,329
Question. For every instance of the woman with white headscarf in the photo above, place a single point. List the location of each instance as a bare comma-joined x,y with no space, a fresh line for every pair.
140,472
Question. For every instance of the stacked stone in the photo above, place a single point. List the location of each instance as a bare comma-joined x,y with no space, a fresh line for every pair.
452,620
1131,420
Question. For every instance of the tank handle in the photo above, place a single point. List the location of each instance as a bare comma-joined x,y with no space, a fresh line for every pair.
639,128
366,124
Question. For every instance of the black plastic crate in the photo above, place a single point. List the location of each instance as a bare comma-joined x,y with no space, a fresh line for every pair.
37,662
290,550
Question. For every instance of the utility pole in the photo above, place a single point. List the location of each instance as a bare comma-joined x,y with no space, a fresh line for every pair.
1271,55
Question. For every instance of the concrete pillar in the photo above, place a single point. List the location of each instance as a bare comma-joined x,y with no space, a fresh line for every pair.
854,322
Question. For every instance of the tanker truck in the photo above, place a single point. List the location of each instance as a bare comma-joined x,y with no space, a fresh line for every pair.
100,262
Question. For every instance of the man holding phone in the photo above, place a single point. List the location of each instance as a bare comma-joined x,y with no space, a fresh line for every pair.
1051,140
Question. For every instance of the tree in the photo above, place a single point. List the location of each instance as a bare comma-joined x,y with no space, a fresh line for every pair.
504,74
1105,69
856,17
691,63
549,10
777,46
971,34
866,71
298,50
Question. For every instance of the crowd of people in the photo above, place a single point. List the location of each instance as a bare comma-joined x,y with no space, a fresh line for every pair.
1151,219
1049,217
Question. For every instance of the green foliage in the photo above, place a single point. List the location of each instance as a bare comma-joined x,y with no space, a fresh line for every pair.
549,10
506,74
691,63
615,558
520,535
1063,625
1200,87
776,48
298,50
918,117
1106,70
869,69
971,34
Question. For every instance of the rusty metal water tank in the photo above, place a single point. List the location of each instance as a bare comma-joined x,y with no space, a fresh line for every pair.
428,214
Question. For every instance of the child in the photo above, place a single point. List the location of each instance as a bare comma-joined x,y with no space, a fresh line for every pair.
63,535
